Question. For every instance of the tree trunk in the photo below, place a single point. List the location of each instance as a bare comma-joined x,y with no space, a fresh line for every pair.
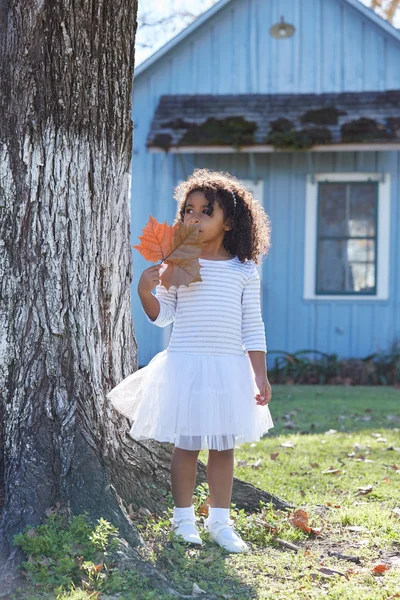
66,335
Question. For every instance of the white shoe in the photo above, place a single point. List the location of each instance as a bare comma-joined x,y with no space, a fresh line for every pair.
224,535
186,529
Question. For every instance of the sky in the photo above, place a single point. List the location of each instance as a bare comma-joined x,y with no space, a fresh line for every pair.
156,9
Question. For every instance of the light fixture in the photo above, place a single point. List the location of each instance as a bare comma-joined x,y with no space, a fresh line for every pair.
282,30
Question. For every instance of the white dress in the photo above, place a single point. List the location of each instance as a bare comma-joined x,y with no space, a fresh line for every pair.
200,391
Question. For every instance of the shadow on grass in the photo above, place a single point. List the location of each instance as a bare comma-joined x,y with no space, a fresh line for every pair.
207,567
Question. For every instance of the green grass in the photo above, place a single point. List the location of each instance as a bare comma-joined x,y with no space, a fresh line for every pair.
363,448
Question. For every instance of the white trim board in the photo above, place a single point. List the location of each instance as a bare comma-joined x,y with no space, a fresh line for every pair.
266,149
383,234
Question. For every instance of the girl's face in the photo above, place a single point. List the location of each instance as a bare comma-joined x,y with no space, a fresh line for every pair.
198,212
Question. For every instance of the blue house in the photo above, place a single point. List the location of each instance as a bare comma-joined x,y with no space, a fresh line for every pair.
305,110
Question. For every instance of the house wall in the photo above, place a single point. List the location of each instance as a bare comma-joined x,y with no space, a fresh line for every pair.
335,49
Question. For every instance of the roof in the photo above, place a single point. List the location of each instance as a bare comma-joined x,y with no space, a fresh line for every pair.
357,4
286,121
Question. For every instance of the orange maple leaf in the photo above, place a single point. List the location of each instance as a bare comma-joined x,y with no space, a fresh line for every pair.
177,246
381,568
300,519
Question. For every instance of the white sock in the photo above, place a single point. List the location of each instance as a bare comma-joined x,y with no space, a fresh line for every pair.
186,512
218,514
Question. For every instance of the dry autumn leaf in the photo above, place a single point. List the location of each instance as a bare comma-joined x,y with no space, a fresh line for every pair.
300,519
287,444
177,246
332,471
363,491
204,508
381,568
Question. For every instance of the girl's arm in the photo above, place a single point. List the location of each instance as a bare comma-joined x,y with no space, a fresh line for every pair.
159,308
253,334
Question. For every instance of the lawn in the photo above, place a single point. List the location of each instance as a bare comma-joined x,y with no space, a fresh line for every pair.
342,471
334,453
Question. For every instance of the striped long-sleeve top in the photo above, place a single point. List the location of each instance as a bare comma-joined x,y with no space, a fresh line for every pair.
219,315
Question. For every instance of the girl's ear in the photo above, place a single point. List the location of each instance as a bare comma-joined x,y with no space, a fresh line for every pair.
228,226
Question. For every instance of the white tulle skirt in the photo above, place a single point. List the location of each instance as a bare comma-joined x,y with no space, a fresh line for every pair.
193,401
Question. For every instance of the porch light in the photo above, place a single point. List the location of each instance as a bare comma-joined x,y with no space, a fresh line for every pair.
282,30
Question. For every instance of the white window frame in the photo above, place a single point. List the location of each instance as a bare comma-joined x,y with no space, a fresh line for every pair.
383,234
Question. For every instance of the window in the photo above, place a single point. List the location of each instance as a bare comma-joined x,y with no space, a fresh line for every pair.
347,236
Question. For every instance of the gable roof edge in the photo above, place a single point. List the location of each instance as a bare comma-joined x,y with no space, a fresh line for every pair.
375,18
357,4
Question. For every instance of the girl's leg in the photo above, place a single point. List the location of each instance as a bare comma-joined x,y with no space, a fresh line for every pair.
220,477
183,476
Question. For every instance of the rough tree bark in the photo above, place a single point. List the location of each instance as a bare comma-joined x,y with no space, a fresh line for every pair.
66,335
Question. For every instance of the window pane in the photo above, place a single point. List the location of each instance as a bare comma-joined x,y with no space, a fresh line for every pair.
347,209
346,266
332,209
362,209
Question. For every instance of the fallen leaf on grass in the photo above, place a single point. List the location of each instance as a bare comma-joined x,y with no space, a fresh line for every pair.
395,468
332,471
363,491
176,245
197,591
315,465
300,519
274,455
204,508
288,444
379,569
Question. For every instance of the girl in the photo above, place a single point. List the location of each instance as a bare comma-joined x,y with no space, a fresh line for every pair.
209,388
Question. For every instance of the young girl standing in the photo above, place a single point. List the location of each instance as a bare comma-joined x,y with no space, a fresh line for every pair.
209,388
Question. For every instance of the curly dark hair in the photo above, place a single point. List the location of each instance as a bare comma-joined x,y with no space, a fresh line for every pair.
249,237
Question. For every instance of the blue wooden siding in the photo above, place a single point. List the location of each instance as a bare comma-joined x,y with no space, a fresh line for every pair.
334,49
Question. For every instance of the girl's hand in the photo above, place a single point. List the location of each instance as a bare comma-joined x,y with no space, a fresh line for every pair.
149,279
264,386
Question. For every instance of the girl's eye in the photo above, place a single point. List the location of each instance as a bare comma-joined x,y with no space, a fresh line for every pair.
205,210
